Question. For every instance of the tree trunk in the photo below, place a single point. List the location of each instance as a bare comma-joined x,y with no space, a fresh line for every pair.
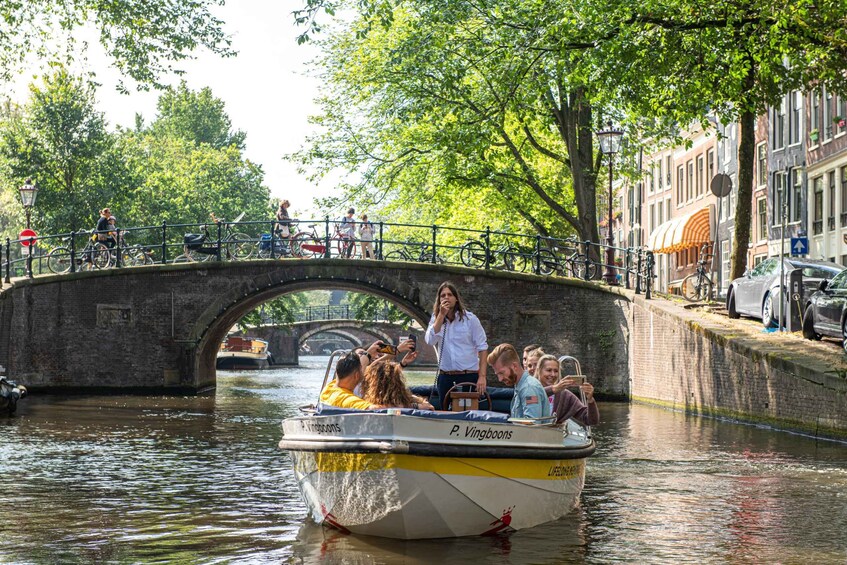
744,203
579,138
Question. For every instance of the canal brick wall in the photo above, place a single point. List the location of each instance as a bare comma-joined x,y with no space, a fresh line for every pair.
702,363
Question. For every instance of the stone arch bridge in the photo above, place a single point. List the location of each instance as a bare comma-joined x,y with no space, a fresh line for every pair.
160,326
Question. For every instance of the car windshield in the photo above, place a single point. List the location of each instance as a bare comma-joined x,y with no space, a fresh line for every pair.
818,271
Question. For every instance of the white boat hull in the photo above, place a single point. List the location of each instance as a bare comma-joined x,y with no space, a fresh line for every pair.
382,475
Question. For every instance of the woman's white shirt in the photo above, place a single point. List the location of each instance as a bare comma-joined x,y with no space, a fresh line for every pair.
465,339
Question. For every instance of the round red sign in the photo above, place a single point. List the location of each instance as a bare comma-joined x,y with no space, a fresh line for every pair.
28,237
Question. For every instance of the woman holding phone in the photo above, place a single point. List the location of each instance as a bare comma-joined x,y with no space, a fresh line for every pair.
459,341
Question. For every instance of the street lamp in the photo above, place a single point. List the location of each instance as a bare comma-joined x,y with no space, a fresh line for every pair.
610,143
28,191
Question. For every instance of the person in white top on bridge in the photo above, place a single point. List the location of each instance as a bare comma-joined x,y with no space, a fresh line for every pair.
458,339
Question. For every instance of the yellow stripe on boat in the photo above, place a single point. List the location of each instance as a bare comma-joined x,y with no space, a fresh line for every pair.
549,469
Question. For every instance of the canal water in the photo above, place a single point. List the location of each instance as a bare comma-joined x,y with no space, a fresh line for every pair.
115,479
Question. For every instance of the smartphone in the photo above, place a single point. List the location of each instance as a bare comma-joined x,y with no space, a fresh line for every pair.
413,338
387,348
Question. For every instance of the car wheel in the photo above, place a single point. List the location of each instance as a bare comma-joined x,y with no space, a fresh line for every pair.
809,324
768,314
730,307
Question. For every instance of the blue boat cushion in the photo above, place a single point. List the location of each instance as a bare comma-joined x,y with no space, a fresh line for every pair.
469,415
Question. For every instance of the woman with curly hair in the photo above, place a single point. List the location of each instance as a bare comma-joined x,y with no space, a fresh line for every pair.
386,382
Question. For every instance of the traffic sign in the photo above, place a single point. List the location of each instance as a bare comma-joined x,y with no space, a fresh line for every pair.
799,246
28,237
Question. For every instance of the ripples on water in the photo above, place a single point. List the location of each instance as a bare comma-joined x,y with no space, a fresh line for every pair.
200,480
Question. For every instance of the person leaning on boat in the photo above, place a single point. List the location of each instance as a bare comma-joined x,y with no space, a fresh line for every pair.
530,400
458,339
563,402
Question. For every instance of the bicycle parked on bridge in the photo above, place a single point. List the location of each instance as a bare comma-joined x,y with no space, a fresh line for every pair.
697,286
413,251
504,256
575,263
202,247
308,244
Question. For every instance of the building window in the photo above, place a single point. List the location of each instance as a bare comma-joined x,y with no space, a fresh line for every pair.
758,259
796,104
680,185
668,210
827,115
762,214
815,114
779,126
710,159
796,200
660,208
843,196
659,178
701,176
841,111
668,170
778,191
689,182
652,217
817,223
762,164
831,211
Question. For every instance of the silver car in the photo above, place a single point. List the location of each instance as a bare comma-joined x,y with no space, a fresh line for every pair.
756,294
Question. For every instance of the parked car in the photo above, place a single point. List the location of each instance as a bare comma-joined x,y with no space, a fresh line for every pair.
756,294
826,310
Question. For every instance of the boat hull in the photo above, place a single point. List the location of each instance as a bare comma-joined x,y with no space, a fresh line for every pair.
414,497
411,477
239,363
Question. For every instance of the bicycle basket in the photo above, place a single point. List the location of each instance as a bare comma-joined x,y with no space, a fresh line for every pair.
193,241
265,242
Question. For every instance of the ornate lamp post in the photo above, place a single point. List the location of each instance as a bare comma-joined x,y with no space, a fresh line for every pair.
610,143
28,193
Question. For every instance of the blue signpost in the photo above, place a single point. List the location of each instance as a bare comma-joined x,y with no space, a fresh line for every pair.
799,246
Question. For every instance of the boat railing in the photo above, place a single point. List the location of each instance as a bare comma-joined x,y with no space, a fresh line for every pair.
579,377
329,365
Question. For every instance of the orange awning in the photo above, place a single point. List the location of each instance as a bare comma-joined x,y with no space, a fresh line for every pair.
691,230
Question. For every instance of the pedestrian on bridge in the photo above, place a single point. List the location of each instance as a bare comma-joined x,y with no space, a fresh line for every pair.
366,235
459,341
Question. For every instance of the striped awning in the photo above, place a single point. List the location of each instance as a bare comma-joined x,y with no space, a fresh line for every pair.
691,230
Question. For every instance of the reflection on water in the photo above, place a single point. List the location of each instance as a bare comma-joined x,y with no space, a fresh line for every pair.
200,479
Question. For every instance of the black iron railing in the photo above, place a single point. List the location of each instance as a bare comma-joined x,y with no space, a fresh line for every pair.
325,238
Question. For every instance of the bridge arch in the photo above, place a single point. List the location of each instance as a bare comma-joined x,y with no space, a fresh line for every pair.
212,326
334,333
337,326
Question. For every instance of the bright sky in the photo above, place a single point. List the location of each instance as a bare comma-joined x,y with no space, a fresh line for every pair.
265,89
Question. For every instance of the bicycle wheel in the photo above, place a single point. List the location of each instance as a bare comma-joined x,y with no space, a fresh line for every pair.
472,254
396,255
101,256
305,246
59,260
582,267
547,262
184,258
514,260
239,246
695,288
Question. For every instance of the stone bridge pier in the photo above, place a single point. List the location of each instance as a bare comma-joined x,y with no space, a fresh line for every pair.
160,326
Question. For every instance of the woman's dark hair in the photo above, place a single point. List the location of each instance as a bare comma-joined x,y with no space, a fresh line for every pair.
460,308
348,365
385,385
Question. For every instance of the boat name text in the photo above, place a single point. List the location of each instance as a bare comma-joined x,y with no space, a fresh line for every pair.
566,471
480,434
321,428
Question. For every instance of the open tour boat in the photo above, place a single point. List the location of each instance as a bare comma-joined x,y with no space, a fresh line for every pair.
412,474
238,353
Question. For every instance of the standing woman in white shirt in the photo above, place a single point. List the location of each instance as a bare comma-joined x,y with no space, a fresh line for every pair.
460,341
